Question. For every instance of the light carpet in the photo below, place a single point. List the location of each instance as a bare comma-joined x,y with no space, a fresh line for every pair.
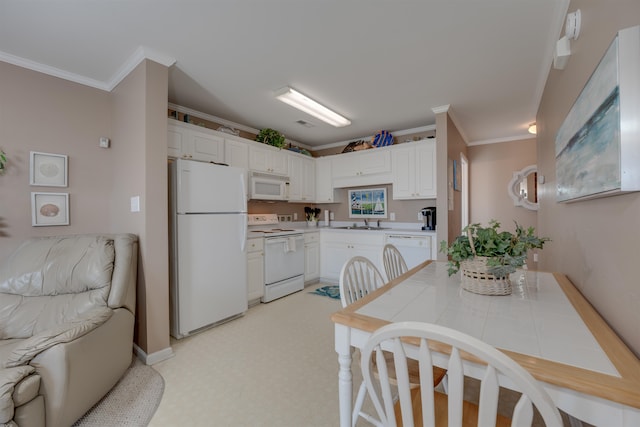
131,402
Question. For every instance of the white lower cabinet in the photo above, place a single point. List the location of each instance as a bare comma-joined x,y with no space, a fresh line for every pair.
255,269
337,247
311,257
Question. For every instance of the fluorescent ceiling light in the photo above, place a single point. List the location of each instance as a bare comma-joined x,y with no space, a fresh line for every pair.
309,106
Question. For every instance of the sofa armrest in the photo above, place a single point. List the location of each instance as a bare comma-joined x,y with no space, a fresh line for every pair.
9,377
27,349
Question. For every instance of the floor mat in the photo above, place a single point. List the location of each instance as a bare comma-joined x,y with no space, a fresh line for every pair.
331,291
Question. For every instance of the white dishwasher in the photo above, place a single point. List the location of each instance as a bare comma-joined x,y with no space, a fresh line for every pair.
415,248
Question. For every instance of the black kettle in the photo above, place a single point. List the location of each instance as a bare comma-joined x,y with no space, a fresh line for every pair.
429,218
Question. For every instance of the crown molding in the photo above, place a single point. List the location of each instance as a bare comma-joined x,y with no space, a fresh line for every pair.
52,71
505,139
441,109
138,56
134,60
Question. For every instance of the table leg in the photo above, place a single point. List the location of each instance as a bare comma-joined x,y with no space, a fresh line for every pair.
345,377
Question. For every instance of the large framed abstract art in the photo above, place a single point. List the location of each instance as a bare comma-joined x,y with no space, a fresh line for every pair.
597,146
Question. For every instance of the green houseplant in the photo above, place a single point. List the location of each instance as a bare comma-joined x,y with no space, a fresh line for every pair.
271,137
3,162
312,214
504,251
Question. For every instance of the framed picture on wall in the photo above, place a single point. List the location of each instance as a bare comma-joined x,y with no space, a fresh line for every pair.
368,203
596,146
46,169
49,209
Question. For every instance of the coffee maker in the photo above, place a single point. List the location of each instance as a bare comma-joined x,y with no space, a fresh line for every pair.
429,218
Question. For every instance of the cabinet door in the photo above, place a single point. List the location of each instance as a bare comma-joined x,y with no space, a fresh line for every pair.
255,275
345,165
279,162
311,261
403,166
323,184
374,162
268,159
206,147
308,180
296,178
426,169
236,153
176,141
333,255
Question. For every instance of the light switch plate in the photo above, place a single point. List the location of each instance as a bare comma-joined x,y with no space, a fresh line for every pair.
135,204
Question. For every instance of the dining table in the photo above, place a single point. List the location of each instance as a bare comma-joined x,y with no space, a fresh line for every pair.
545,324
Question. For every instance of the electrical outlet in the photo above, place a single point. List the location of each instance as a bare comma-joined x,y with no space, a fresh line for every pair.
419,216
295,216
392,216
535,257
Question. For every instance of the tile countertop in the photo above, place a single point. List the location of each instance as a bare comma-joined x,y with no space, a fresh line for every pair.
386,227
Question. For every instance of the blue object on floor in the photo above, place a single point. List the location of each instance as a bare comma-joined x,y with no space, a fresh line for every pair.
331,291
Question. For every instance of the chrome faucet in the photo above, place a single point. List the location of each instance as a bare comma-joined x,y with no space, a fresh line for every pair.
378,222
366,222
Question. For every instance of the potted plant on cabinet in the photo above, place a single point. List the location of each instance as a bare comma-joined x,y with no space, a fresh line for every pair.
271,137
486,256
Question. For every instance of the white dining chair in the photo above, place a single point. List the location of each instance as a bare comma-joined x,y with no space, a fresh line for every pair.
394,264
359,277
423,406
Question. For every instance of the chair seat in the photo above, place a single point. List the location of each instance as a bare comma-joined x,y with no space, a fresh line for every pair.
414,370
469,411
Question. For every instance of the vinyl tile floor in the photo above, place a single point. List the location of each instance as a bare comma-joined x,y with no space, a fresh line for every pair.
274,366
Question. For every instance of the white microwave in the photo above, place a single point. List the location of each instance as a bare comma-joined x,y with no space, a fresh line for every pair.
264,186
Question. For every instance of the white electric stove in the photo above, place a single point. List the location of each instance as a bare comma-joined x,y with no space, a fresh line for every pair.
283,256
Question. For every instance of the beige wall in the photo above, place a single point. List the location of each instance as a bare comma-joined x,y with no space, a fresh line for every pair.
455,147
44,113
140,144
48,114
491,168
594,242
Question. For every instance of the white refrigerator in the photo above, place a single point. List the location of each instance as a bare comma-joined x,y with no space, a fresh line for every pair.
208,232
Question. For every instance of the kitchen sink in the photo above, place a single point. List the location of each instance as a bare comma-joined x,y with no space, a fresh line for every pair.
361,227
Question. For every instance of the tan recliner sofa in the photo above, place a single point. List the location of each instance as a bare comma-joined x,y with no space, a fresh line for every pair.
67,307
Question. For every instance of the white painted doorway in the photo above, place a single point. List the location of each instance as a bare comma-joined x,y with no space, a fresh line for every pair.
464,177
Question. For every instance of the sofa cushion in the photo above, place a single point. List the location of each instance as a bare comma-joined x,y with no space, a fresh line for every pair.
8,380
51,281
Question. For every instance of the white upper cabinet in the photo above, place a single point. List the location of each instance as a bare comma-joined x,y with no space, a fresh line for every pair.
414,170
193,142
302,178
236,153
324,180
264,158
362,168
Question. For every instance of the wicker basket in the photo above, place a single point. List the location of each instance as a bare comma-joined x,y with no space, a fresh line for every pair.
476,277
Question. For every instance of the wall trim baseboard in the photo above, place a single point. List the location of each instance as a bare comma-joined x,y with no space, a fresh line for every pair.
153,358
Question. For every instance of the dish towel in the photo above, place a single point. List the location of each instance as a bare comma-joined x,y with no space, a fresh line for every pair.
290,245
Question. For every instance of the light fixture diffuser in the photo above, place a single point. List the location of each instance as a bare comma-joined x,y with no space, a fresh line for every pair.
533,129
309,106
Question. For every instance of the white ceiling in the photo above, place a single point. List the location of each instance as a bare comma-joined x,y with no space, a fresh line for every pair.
383,64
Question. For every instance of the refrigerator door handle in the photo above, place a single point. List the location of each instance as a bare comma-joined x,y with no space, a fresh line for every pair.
243,236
